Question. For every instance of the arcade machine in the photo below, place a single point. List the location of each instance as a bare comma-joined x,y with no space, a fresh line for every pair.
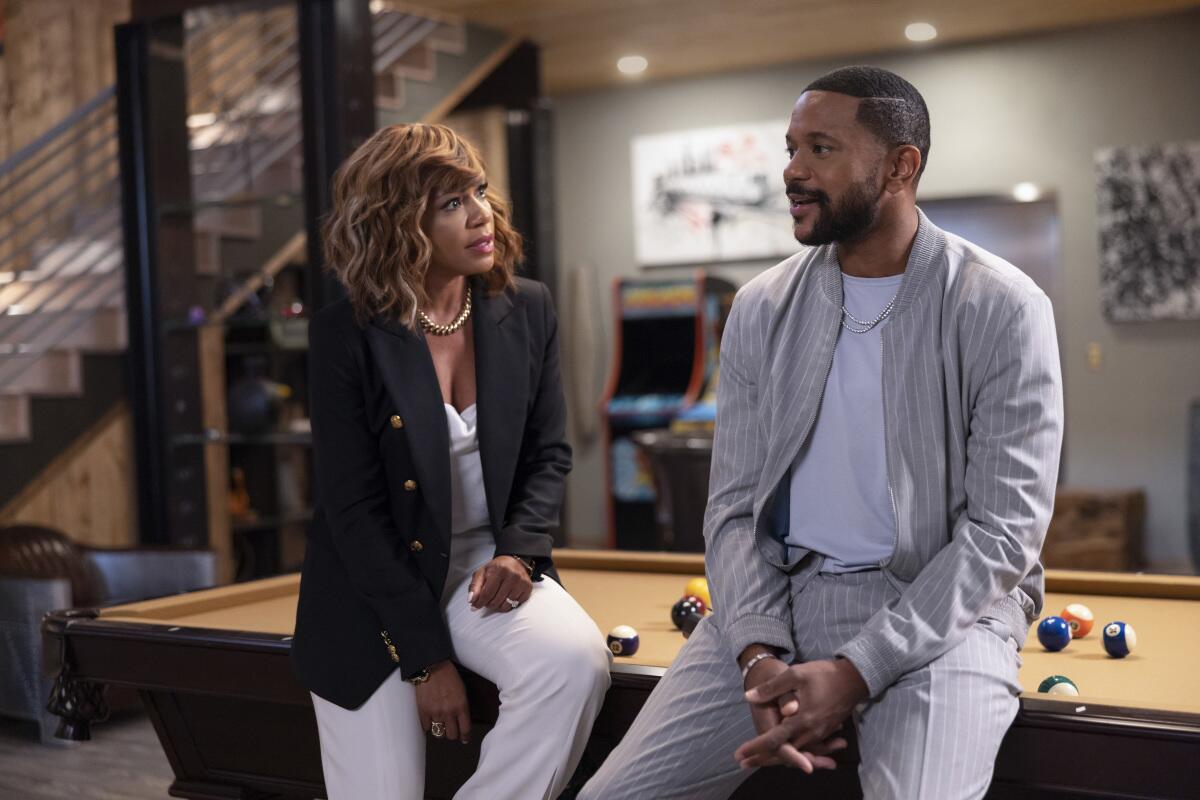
665,357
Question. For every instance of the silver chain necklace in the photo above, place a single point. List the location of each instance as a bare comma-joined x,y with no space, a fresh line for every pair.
865,327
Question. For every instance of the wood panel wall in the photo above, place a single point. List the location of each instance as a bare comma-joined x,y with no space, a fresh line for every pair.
57,55
485,128
88,491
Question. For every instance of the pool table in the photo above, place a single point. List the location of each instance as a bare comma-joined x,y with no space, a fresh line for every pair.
212,669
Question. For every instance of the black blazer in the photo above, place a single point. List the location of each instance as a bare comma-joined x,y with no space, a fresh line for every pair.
379,544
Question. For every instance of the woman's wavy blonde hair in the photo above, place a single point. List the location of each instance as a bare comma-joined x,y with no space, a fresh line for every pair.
373,238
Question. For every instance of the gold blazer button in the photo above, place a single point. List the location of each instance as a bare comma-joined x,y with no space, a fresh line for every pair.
410,486
396,421
416,546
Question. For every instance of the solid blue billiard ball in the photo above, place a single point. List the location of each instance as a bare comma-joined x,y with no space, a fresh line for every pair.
623,640
1054,633
1119,639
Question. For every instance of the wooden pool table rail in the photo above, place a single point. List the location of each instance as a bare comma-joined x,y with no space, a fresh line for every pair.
1067,581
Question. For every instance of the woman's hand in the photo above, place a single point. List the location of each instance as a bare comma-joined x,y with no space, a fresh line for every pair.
502,579
443,698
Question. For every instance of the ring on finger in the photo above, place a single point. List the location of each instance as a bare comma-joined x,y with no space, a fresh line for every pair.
437,730
512,603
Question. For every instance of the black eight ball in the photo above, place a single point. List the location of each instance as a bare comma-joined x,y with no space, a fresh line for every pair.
681,609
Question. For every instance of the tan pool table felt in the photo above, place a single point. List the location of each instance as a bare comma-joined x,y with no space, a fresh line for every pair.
1163,672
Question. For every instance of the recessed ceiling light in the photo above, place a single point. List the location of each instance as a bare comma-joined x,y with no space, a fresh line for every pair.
920,32
376,6
1026,192
632,65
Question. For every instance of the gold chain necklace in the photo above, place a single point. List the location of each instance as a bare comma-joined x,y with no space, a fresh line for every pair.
445,330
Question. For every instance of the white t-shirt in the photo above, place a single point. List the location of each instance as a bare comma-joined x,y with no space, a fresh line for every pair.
840,503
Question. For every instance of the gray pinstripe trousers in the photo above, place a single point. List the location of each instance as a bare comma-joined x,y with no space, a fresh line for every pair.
933,734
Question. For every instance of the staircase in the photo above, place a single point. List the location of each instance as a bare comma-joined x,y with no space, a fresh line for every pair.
406,49
61,280
62,317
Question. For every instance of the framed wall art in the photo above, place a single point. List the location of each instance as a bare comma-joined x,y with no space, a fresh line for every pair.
711,195
1149,226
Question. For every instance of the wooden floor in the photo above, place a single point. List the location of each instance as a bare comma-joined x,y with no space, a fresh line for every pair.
123,761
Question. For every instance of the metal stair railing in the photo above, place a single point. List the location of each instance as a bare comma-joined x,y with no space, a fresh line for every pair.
74,206
58,203
244,123
402,37
394,35
11,319
205,58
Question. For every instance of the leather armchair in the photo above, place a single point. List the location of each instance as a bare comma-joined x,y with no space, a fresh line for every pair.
42,570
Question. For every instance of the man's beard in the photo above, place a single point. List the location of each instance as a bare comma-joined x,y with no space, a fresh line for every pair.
848,220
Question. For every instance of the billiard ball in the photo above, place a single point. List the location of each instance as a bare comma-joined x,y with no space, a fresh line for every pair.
698,587
1054,633
1080,618
690,622
1119,639
702,606
623,640
1059,684
681,609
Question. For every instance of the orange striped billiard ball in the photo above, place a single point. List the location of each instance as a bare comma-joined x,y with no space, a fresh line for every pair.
1080,618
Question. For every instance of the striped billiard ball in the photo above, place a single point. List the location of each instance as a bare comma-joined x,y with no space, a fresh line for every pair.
1119,639
1080,618
1059,684
623,640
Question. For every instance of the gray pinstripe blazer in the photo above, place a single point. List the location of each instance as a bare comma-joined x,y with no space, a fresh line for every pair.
973,424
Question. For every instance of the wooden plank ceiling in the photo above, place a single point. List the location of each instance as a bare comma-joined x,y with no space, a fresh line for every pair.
582,39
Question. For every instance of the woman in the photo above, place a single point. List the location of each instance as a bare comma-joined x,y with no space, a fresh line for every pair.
438,435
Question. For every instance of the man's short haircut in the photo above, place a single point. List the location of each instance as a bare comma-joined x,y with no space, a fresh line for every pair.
891,108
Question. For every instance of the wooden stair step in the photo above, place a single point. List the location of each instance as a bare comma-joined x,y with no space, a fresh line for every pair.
101,330
77,255
450,37
417,64
56,373
389,91
22,297
15,425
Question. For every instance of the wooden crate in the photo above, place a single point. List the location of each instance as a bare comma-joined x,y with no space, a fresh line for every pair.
1096,529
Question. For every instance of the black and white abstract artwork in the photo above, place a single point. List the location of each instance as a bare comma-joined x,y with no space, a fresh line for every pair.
711,194
1149,219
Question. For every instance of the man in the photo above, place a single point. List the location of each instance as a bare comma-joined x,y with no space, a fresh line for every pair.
888,432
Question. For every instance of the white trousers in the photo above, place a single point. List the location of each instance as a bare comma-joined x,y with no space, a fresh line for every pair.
548,660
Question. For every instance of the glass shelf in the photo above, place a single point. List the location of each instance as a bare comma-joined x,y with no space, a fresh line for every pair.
272,200
271,522
273,439
177,325
261,349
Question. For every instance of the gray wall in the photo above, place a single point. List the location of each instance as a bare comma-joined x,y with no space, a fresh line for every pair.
1027,109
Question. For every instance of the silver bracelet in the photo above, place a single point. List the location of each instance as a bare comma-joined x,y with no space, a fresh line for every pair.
750,664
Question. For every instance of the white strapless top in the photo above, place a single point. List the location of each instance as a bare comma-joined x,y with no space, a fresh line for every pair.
468,502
